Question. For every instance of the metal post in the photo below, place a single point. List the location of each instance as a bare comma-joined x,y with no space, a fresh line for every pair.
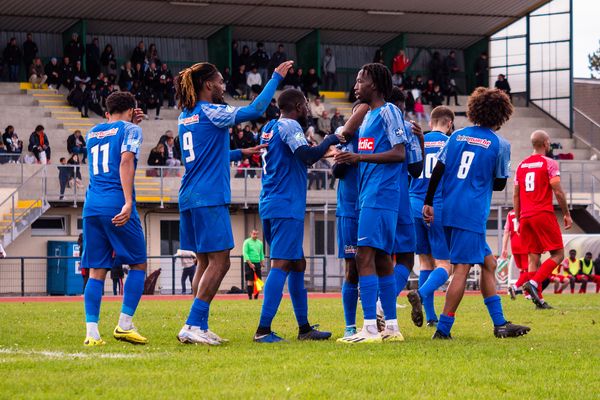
22,277
499,228
22,173
12,231
173,275
325,237
570,191
245,188
325,274
75,188
162,203
242,273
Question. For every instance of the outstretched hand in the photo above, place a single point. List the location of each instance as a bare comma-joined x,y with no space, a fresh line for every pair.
347,157
254,150
284,67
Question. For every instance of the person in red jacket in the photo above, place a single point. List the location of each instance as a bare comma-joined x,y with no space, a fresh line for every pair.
400,63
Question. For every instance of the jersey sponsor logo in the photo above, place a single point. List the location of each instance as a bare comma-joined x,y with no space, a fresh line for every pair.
474,141
434,144
194,119
266,136
534,165
366,144
102,134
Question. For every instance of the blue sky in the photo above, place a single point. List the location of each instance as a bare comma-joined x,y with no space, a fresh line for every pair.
586,34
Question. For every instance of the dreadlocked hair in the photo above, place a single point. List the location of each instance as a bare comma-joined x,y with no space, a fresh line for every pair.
189,83
381,76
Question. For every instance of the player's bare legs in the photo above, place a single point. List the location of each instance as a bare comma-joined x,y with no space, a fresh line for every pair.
539,274
216,269
200,269
456,289
429,282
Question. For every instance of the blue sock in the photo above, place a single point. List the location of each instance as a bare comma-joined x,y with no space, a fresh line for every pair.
494,306
445,324
299,296
273,292
199,314
437,278
387,295
132,291
401,273
350,301
92,297
368,295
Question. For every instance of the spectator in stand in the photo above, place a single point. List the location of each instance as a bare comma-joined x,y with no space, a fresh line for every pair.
92,58
300,74
235,55
4,158
451,91
139,92
324,124
409,103
107,59
157,157
436,67
419,83
312,82
420,110
238,80
400,63
152,102
12,57
139,54
79,74
165,80
152,81
74,162
65,174
316,109
427,91
481,70
502,84
378,57
260,59
291,80
37,77
246,58
242,139
30,51
39,145
67,74
397,79
337,120
450,66
52,71
12,143
76,145
436,98
408,83
229,87
93,99
254,78
126,76
139,74
188,263
172,152
76,98
152,55
74,49
278,57
273,111
329,70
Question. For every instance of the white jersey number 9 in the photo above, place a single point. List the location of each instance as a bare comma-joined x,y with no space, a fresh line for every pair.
188,146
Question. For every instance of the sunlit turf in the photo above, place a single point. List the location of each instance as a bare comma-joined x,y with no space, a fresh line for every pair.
41,355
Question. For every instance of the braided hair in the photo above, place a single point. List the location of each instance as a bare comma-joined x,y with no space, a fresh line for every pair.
189,83
381,76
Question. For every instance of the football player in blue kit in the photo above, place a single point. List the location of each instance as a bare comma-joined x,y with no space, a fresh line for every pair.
110,218
381,152
434,257
347,216
205,193
282,207
473,163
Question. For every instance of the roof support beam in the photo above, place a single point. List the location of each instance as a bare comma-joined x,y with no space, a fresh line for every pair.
80,28
309,47
219,48
390,49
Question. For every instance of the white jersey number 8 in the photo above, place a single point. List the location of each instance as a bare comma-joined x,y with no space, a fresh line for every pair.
530,181
465,164
188,145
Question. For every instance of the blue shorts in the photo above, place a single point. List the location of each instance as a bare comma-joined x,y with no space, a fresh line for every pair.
102,237
431,239
466,247
404,240
285,237
205,229
377,228
347,233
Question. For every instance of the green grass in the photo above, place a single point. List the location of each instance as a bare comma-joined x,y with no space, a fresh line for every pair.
41,355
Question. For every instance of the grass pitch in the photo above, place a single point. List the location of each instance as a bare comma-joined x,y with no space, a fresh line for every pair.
41,355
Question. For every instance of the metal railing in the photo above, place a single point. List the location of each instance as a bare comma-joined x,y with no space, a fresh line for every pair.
586,128
23,276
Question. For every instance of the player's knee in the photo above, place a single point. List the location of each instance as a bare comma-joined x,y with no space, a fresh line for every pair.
351,274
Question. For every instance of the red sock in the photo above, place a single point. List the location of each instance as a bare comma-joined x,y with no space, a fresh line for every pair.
523,277
544,271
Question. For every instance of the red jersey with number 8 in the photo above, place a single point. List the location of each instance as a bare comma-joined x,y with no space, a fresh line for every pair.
532,180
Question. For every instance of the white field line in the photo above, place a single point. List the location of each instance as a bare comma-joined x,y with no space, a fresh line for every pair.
62,355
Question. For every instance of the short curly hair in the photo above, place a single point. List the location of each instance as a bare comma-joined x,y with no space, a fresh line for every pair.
489,107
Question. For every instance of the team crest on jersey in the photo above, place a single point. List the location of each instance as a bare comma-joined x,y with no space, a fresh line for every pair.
299,135
266,136
399,132
102,134
474,141
434,144
194,119
366,144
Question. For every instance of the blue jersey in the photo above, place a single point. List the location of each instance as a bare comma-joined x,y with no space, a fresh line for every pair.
347,191
284,177
105,143
414,154
379,184
434,141
473,158
204,141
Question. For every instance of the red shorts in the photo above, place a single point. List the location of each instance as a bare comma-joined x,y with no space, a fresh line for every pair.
540,233
522,261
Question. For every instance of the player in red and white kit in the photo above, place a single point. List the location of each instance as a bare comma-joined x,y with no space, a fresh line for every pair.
537,177
511,235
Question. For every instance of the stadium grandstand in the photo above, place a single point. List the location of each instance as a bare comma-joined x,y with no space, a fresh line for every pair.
459,46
